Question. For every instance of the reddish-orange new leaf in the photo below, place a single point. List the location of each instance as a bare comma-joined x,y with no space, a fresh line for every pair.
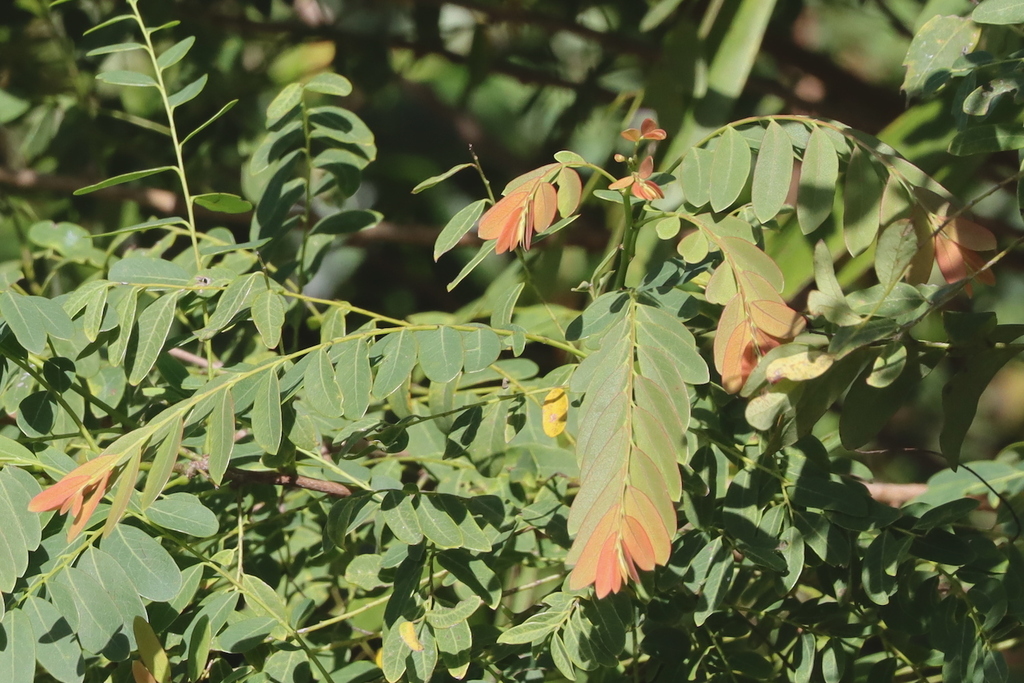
956,252
79,491
530,205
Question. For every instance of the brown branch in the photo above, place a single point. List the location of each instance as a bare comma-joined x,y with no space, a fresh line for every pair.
288,480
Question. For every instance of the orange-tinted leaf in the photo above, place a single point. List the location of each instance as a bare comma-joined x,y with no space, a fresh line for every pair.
778,320
639,506
94,495
950,258
649,130
739,360
732,315
141,674
609,577
496,219
621,183
586,555
975,263
637,544
645,189
71,484
570,189
970,235
631,134
545,203
527,180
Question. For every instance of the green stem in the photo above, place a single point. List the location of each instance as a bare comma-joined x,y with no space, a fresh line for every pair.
169,110
628,245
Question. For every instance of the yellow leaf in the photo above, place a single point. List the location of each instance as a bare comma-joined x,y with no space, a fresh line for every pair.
555,412
799,367
153,656
407,630
378,659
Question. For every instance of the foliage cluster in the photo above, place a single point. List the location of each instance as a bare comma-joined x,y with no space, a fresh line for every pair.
211,474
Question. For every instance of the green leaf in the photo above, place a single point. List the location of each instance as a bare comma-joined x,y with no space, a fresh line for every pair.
559,654
862,202
99,620
198,647
460,224
935,48
730,167
223,110
434,180
163,462
818,177
897,246
149,567
960,398
773,173
267,309
17,648
22,316
184,512
399,359
436,524
132,79
987,139
481,348
440,353
246,634
347,222
1000,12
283,103
223,202
323,393
661,331
399,513
22,531
534,630
113,579
455,647
232,300
501,316
57,649
329,84
175,53
442,618
220,435
11,107
486,249
266,413
598,316
352,371
868,408
154,326
149,271
188,93
695,176
123,178
126,322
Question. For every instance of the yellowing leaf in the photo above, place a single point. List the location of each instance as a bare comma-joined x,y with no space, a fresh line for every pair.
407,630
141,674
555,411
799,367
775,319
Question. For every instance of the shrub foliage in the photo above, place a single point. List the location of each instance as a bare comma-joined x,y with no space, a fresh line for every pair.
195,486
